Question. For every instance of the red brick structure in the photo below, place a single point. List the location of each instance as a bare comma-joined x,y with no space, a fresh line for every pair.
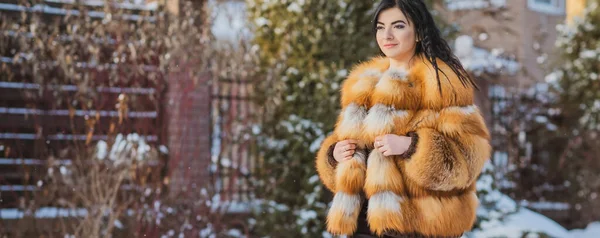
187,106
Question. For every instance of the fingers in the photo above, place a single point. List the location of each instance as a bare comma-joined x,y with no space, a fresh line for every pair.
346,145
378,144
341,146
350,142
344,150
381,141
384,150
345,142
348,154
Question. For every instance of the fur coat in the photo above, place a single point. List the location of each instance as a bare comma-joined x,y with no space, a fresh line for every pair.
428,190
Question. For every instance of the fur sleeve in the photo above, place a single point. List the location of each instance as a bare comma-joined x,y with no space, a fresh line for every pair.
355,94
325,162
451,153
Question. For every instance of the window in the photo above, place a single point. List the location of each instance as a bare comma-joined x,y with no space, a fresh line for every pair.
454,5
552,7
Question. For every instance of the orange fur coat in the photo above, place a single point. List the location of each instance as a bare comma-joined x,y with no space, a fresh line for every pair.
430,189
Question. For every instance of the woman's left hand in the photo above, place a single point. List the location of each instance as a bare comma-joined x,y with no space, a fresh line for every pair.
391,144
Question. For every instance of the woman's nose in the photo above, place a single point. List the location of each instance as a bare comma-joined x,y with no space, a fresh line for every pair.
389,35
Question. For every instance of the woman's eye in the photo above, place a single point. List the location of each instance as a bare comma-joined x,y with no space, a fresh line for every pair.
399,26
379,28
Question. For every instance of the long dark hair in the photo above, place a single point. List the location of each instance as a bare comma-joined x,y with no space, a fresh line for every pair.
431,44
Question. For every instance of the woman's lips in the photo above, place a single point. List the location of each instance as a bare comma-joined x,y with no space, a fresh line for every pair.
389,45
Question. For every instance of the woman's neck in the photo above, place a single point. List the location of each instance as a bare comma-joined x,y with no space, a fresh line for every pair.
403,63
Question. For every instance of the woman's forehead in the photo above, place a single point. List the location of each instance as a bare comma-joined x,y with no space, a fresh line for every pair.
391,15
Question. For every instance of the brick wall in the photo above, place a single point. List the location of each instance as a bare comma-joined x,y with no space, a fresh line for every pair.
188,136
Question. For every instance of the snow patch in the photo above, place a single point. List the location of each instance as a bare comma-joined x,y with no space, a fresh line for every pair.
519,223
316,144
44,212
546,205
294,7
478,60
229,22
591,231
101,150
588,54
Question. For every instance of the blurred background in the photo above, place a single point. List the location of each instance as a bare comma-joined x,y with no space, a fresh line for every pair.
176,118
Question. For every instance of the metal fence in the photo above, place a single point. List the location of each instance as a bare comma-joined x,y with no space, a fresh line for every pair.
234,156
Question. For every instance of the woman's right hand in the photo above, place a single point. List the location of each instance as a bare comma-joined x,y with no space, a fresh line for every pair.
344,150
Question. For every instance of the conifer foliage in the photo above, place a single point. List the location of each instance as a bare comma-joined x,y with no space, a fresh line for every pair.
306,49
576,82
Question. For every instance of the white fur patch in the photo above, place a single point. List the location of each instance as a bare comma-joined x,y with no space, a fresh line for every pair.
387,201
348,204
469,109
377,165
466,110
375,159
401,113
370,73
353,117
380,119
396,74
360,156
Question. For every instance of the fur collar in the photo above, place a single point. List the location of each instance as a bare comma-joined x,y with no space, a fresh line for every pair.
373,82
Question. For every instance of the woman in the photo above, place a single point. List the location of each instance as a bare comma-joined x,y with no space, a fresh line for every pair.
409,143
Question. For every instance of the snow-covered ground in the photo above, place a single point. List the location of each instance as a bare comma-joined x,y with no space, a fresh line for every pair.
525,221
513,226
592,230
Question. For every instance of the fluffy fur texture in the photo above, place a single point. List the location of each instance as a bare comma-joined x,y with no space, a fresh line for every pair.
429,190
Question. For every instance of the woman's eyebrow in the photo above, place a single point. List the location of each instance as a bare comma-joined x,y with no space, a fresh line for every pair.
398,21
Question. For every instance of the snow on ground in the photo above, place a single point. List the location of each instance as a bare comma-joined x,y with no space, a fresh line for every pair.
591,231
527,221
514,225
523,221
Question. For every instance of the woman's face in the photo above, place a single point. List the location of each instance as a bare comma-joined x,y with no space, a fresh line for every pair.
395,36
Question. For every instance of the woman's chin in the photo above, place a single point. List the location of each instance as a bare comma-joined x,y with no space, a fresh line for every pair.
397,55
391,54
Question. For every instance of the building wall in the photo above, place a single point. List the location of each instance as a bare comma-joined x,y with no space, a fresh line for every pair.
188,111
188,117
517,30
575,9
172,6
538,28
